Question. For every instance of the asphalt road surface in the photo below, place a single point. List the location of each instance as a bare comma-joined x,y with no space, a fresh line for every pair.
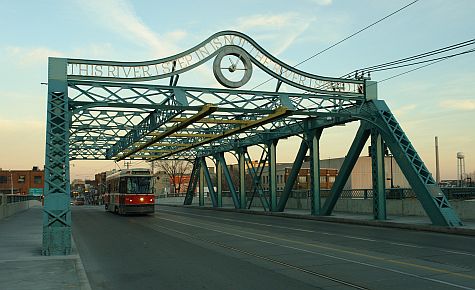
187,248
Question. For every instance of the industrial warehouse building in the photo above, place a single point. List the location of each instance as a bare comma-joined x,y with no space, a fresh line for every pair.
22,181
360,178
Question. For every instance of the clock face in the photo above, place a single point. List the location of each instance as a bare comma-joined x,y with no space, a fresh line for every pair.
232,67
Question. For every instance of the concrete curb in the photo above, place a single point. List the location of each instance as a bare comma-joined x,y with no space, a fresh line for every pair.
387,224
81,272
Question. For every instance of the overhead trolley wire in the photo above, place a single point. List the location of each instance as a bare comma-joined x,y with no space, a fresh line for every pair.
344,39
408,61
357,32
423,61
412,60
434,61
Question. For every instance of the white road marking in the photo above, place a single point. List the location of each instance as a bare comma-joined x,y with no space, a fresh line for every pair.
326,233
322,254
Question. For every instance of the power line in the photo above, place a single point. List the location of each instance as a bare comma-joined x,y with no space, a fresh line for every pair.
409,61
416,57
426,65
425,61
344,39
359,31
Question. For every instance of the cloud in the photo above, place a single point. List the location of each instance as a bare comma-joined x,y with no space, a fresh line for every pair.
122,20
459,105
266,20
176,35
322,2
280,29
404,109
31,56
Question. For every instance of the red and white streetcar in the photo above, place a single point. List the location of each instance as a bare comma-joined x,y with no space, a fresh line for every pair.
129,191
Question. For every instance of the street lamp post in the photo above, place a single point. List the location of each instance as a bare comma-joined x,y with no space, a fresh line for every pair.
11,182
392,177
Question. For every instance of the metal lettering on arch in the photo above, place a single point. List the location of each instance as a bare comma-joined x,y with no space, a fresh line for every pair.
112,110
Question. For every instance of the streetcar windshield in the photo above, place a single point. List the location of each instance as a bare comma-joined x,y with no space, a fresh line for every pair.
138,185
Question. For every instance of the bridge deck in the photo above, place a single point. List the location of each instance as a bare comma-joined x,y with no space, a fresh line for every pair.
184,248
188,248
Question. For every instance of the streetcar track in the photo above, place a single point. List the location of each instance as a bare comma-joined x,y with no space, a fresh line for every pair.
268,259
327,234
340,258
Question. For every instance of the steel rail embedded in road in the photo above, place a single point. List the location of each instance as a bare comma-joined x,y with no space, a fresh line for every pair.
248,253
257,237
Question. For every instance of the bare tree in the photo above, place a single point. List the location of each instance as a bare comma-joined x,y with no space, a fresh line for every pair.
177,170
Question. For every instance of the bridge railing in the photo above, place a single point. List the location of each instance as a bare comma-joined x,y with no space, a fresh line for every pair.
13,203
14,198
460,193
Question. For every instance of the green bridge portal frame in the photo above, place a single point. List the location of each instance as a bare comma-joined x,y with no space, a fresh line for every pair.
107,110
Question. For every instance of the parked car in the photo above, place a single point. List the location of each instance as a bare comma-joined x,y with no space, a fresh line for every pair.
79,201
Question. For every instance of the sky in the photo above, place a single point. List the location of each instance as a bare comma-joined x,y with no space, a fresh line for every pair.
435,101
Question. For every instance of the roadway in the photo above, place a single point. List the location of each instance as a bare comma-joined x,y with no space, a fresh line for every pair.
188,248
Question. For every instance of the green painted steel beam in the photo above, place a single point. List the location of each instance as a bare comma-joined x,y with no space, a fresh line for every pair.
194,176
315,199
378,175
431,197
201,190
219,182
229,180
278,113
346,168
242,178
56,210
209,183
272,155
289,184
205,111
256,174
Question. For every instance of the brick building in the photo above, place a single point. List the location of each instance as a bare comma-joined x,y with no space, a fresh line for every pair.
22,181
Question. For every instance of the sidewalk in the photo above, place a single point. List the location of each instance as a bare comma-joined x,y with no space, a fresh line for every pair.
21,264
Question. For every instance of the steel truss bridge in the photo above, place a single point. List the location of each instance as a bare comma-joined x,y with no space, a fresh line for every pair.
107,110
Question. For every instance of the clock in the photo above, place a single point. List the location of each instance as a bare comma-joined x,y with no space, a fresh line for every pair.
232,67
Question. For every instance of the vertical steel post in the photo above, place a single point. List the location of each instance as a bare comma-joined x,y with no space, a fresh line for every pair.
315,172
229,180
294,172
242,177
378,175
346,168
272,175
56,211
202,185
437,168
219,182
209,183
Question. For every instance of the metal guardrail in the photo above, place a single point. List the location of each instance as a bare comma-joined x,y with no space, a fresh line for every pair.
13,198
458,193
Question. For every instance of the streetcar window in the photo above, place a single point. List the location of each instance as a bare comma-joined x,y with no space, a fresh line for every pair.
138,185
123,185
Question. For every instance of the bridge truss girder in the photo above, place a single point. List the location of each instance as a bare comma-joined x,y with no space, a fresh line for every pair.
151,115
97,110
182,123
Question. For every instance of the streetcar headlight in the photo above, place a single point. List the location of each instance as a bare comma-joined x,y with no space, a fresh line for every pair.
130,200
151,199
141,199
